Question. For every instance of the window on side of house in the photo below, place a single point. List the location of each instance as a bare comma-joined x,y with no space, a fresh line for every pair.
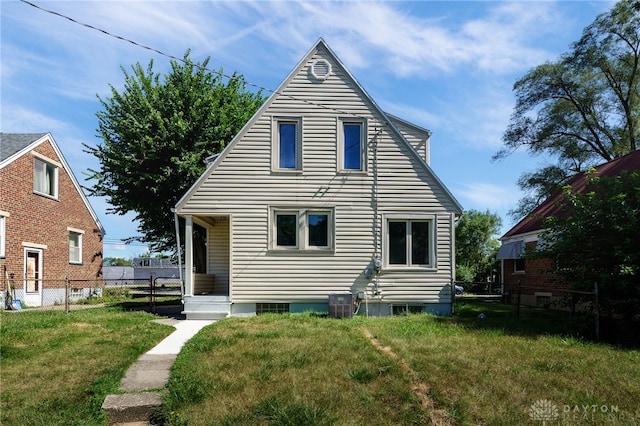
286,229
287,144
45,178
352,145
3,232
75,246
410,242
318,229
272,308
302,229
518,264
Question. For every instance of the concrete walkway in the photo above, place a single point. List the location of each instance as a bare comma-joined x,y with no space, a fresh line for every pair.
143,384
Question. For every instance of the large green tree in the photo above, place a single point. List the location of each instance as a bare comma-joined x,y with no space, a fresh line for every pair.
581,110
594,239
476,244
156,134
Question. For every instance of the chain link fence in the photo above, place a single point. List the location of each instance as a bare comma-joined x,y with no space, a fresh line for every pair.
18,294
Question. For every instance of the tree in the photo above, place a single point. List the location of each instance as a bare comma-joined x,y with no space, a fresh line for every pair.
476,245
582,110
116,261
156,135
594,239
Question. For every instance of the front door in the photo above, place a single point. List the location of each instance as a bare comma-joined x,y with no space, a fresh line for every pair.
32,277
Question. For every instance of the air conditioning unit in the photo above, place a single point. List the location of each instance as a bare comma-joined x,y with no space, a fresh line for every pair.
340,305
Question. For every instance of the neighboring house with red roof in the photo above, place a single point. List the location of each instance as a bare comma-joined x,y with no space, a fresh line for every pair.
539,286
48,229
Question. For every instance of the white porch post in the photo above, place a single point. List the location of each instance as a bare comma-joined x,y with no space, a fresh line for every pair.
188,254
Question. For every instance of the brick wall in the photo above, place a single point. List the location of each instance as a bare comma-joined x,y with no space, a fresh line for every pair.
44,221
536,277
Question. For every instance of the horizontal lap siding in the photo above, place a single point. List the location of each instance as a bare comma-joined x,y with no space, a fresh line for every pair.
244,187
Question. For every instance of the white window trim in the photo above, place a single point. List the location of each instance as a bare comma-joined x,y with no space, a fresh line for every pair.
80,234
363,144
56,173
3,232
275,144
302,231
432,219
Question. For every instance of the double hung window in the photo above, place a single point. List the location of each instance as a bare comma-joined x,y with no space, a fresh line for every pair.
75,245
45,178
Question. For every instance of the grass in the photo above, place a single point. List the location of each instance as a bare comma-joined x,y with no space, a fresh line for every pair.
301,369
57,368
492,370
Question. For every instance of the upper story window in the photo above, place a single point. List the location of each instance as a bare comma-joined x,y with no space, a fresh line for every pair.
287,144
352,145
45,178
75,245
410,242
3,232
302,229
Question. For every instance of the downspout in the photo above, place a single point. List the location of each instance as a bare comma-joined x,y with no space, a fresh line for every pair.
453,260
377,260
502,278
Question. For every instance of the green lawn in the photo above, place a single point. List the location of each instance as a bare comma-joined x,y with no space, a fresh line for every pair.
57,368
301,369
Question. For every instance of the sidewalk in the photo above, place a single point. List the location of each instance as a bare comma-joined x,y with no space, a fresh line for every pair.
143,384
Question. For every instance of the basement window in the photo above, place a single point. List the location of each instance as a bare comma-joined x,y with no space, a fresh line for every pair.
404,309
272,308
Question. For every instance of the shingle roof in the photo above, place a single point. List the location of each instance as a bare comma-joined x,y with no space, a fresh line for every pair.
10,143
550,207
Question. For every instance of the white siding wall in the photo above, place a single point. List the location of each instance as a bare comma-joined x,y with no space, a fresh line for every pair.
419,140
243,185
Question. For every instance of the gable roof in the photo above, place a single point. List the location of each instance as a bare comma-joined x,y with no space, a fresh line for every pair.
12,143
550,207
15,145
321,44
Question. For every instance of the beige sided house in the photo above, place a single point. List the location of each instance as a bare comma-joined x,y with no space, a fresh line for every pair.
322,202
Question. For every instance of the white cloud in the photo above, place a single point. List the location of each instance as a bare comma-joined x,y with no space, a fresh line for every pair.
499,42
17,119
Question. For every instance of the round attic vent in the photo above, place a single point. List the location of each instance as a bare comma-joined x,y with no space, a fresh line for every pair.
320,69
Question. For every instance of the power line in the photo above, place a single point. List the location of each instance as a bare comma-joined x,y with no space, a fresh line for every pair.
173,57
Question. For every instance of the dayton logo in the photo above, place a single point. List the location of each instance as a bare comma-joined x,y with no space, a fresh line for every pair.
543,410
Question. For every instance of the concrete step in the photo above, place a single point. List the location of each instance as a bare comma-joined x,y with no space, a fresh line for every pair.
131,407
203,315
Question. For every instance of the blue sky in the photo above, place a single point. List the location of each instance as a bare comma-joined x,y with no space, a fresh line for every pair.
448,66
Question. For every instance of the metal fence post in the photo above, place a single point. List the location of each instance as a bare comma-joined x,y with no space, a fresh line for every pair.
597,309
152,307
518,300
66,295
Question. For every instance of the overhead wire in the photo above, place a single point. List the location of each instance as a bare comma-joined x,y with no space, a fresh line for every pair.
175,58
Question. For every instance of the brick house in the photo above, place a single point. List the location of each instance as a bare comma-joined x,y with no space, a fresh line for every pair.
539,286
48,229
